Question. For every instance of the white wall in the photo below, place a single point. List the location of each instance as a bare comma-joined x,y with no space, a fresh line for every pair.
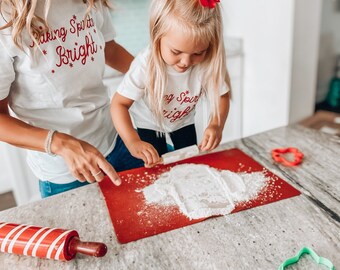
16,174
267,29
329,45
305,59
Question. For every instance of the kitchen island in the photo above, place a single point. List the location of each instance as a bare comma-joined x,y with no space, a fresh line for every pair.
258,238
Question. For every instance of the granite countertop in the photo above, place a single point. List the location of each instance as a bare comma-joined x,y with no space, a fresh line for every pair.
258,238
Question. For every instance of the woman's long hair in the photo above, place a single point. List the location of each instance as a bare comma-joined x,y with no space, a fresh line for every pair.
20,15
199,23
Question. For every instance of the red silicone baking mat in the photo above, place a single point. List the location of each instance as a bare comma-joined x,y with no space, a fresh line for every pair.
133,219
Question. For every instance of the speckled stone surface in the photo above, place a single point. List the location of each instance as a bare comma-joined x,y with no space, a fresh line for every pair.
259,238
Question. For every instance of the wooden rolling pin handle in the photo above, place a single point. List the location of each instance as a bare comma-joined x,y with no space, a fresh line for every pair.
88,248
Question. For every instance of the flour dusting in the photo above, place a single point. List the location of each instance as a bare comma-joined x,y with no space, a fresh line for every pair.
201,191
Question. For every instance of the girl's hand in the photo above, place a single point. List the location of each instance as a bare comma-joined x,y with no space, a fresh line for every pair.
145,151
85,162
211,138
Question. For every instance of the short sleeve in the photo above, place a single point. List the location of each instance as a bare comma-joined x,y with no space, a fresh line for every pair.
133,84
224,89
107,28
7,73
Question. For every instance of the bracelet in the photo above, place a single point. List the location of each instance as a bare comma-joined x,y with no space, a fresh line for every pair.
48,142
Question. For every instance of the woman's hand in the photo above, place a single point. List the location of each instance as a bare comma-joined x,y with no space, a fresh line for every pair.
85,162
145,151
211,138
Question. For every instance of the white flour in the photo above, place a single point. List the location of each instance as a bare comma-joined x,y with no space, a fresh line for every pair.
201,191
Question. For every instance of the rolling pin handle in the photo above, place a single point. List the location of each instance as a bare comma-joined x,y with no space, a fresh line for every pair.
88,248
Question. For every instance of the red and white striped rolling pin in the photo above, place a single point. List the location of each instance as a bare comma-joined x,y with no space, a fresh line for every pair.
43,242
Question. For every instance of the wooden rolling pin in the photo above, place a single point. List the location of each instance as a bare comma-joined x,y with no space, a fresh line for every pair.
43,242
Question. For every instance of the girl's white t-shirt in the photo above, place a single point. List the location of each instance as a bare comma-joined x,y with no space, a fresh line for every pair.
182,94
60,84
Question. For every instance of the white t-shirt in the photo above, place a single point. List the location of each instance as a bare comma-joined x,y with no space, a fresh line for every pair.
182,94
59,86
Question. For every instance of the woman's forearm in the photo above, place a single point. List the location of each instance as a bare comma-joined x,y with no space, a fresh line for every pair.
117,57
20,134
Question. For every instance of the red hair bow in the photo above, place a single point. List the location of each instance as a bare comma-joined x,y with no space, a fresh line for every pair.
209,3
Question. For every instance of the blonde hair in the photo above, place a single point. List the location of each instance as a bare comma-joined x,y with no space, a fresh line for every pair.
20,15
200,23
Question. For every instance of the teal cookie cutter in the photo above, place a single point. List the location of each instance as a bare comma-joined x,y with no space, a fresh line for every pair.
305,250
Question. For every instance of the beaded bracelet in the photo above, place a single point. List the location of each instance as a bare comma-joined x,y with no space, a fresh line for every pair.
48,142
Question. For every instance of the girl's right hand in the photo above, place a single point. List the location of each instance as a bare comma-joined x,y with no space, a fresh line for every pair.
145,151
85,162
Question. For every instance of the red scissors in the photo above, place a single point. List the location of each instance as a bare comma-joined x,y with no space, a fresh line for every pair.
278,156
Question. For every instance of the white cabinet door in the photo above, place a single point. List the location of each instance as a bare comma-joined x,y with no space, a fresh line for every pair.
5,181
16,174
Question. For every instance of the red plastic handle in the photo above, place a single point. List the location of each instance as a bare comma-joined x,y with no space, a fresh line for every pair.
88,248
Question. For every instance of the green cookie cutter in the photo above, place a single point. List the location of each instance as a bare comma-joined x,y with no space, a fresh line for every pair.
305,250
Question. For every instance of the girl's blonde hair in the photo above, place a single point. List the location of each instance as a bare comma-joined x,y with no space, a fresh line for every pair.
20,15
199,23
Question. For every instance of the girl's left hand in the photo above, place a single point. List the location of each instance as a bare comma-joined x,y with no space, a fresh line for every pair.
211,138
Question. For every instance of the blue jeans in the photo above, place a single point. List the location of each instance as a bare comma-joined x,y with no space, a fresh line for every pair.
48,188
120,158
180,138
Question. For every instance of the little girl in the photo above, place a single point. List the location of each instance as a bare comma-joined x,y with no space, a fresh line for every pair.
185,61
52,97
